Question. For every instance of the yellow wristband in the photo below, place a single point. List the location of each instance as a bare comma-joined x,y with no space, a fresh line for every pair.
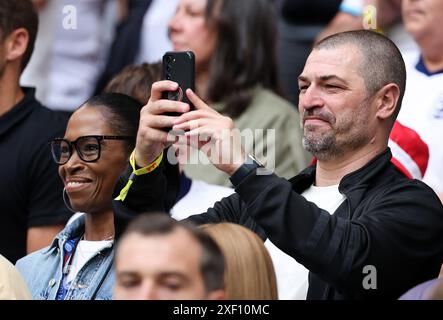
138,172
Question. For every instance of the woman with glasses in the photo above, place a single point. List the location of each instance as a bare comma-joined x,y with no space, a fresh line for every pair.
93,153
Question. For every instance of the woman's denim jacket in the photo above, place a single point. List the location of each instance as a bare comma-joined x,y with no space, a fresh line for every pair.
42,270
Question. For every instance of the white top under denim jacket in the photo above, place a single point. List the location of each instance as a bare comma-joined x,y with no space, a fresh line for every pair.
43,269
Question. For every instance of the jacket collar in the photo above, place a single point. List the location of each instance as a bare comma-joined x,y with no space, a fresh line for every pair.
75,229
358,179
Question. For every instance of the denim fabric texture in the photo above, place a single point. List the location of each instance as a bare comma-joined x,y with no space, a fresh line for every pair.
42,270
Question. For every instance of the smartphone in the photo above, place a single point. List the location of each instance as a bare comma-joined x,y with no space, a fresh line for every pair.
179,67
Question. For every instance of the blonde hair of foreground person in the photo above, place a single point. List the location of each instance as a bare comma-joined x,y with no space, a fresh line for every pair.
249,272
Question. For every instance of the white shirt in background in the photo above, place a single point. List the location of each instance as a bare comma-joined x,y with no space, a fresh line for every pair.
36,72
154,39
200,197
78,55
422,110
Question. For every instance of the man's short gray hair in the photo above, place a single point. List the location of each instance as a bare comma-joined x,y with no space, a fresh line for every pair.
382,62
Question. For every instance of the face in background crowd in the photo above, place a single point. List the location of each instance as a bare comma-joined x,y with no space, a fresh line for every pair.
168,263
90,185
189,30
423,18
234,45
18,31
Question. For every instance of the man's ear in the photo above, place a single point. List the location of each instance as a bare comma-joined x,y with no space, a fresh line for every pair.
217,295
16,44
387,98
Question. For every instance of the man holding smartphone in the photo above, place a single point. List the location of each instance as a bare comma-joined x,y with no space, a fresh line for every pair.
351,222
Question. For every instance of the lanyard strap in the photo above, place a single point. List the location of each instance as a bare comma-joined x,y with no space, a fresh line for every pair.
68,252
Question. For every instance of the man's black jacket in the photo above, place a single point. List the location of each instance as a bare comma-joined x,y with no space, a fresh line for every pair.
387,222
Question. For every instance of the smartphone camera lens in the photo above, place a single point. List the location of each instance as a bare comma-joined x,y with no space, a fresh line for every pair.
168,76
176,95
168,59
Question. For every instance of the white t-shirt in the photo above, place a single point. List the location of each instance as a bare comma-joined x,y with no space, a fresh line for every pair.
200,197
37,70
83,253
292,277
154,38
78,52
422,110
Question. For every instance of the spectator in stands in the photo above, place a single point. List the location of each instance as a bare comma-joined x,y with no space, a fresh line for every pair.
234,44
136,81
142,37
409,152
380,15
249,273
93,153
422,108
31,209
159,258
350,214
12,286
36,72
299,23
71,50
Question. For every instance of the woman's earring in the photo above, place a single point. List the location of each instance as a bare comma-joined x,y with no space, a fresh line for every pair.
66,200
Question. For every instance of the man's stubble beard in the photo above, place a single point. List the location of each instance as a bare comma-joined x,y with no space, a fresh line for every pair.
351,132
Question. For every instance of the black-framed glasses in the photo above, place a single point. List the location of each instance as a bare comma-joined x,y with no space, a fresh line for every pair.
88,147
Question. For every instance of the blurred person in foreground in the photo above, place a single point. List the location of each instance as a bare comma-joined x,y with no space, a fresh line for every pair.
249,272
159,258
12,285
